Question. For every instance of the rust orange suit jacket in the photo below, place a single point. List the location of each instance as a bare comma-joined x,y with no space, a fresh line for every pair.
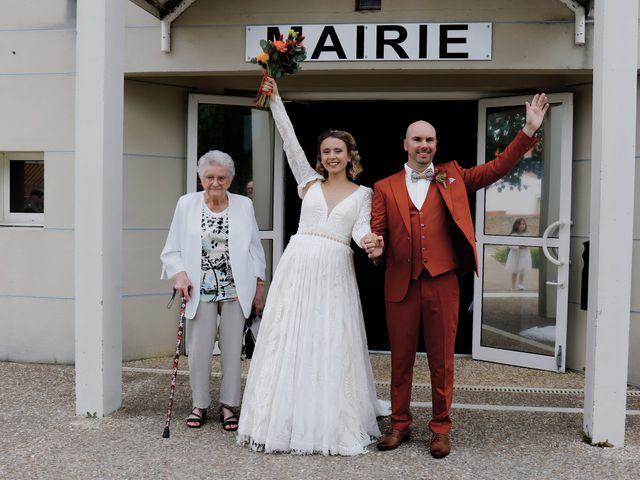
390,215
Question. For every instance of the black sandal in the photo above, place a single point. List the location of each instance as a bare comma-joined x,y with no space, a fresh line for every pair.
230,423
196,421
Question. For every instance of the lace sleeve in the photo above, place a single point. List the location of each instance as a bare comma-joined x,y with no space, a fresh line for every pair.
363,222
298,162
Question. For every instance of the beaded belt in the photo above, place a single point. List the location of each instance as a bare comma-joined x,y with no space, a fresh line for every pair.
326,235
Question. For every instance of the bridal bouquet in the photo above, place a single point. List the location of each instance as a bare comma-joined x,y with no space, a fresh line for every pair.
278,58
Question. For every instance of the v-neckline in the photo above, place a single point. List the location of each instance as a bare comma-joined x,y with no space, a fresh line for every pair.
326,204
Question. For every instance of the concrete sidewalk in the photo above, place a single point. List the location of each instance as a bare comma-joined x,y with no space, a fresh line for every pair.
43,439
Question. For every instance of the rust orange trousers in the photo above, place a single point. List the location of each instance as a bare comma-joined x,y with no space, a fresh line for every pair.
434,302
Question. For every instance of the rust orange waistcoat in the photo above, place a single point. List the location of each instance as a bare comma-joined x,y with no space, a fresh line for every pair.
431,244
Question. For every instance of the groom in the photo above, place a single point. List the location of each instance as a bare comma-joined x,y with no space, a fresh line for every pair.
422,214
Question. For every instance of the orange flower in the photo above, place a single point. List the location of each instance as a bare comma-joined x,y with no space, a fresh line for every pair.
279,57
280,45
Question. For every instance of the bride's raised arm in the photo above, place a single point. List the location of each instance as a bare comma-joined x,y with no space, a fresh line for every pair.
302,171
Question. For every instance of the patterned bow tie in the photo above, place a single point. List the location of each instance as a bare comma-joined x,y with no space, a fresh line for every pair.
426,175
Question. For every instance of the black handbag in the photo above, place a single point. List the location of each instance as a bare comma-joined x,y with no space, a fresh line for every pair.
251,326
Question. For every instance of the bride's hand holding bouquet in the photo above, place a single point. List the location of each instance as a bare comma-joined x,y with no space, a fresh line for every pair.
278,58
269,87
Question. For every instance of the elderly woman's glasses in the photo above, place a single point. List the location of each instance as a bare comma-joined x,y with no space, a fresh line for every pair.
212,178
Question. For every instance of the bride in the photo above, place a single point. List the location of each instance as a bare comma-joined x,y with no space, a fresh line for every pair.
310,387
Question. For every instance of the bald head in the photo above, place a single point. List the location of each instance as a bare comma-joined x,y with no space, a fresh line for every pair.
420,145
418,126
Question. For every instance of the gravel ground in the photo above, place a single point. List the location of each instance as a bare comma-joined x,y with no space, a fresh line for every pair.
467,372
43,439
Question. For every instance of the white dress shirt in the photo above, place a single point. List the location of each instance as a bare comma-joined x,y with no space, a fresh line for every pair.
417,190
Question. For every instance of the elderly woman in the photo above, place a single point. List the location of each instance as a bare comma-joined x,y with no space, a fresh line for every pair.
214,252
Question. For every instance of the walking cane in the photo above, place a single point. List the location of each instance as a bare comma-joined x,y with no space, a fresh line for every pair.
183,305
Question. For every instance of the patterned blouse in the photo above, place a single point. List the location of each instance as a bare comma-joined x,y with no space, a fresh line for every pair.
217,280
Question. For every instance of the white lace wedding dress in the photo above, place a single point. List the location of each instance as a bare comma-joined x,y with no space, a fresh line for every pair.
310,387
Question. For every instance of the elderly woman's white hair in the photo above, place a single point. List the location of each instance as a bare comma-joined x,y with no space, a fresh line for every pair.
216,158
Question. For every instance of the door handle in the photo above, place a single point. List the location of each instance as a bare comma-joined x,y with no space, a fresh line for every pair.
557,284
547,254
545,246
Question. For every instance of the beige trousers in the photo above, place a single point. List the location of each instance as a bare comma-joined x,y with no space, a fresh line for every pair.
201,336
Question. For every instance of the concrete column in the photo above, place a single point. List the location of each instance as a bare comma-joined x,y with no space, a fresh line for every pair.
98,205
612,185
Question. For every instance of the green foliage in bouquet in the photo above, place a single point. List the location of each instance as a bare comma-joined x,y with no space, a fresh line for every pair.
278,58
282,57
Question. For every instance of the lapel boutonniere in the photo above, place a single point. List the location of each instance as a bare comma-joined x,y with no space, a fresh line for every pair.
442,177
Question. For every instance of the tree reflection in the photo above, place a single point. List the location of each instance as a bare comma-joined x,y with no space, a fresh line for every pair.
503,124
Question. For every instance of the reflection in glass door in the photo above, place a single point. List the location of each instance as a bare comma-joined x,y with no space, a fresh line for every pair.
518,308
522,230
235,126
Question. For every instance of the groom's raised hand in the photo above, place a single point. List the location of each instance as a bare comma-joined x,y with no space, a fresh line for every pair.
535,113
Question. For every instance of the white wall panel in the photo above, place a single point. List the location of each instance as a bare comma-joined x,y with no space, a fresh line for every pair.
636,198
152,185
154,119
210,36
517,46
135,15
37,51
33,14
154,169
635,280
582,114
58,186
577,336
148,328
634,351
37,112
462,10
141,262
36,330
40,263
580,198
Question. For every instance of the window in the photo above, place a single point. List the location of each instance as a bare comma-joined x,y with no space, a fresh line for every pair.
22,185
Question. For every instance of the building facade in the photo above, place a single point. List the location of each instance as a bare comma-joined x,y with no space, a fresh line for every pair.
464,65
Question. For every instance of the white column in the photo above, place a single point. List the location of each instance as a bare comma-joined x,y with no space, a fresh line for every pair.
98,206
612,185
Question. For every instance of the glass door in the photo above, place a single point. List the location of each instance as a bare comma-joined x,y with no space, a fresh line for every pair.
235,126
522,232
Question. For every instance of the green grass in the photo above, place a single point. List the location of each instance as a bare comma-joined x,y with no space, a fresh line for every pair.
503,252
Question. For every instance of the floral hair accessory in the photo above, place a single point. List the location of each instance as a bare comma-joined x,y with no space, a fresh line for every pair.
279,57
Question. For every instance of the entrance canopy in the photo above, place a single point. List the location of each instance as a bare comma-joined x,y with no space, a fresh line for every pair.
158,8
167,11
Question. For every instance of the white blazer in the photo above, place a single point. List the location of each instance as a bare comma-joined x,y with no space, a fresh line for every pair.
183,249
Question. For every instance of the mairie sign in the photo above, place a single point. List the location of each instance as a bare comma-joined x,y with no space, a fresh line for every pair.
386,41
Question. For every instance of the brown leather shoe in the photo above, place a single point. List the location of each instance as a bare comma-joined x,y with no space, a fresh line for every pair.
440,445
394,439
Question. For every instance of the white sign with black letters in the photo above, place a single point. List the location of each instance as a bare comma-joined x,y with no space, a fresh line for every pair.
375,42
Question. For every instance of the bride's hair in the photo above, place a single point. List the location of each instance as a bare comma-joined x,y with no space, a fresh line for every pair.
353,167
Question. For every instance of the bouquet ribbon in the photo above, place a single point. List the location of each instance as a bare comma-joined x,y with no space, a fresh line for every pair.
278,57
263,97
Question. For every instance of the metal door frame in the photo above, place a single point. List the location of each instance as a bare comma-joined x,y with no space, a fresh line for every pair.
531,360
